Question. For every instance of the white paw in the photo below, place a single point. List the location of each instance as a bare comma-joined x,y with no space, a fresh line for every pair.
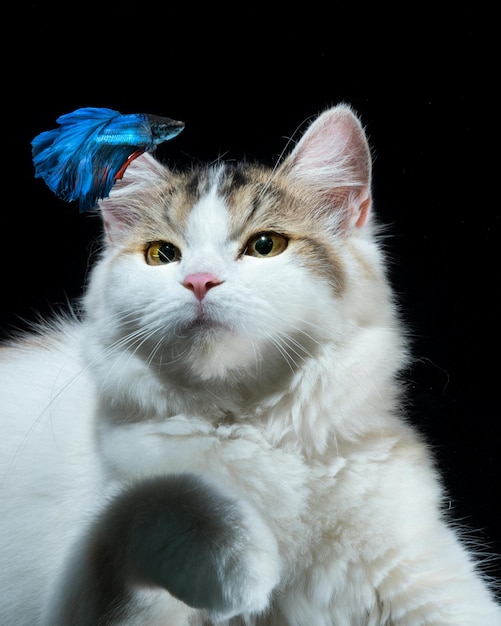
251,570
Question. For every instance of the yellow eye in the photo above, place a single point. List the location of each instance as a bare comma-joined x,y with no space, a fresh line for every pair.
266,245
161,253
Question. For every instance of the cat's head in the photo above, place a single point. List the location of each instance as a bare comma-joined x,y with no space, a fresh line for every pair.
226,269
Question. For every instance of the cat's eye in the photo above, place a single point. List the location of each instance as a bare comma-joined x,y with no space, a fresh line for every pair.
161,253
266,245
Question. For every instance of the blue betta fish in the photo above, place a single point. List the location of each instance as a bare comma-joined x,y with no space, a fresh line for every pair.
83,158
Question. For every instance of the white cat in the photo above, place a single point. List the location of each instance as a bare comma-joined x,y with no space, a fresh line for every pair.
220,438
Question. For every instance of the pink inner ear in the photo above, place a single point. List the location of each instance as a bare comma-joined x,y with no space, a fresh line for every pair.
364,210
113,226
333,160
122,208
119,217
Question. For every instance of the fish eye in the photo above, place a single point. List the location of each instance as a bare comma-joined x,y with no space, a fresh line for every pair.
266,245
162,253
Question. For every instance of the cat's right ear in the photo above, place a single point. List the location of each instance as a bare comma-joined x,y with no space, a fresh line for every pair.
332,163
125,204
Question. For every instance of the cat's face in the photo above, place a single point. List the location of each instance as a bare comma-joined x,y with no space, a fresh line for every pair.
233,269
222,271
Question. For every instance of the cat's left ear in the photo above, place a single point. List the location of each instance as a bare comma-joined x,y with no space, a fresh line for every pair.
125,204
332,162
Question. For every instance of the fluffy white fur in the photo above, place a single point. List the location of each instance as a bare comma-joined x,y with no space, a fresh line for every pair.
276,400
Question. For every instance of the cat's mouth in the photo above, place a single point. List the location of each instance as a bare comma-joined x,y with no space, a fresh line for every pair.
203,322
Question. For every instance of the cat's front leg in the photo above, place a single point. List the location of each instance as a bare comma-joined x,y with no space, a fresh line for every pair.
179,533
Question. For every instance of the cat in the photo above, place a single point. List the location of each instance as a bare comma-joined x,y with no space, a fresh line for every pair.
219,435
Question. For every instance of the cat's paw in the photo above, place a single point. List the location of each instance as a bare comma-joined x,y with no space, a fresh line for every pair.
205,547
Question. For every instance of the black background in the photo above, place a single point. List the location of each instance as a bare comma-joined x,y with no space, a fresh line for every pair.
245,79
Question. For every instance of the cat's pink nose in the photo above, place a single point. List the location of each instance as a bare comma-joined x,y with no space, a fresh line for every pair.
201,283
